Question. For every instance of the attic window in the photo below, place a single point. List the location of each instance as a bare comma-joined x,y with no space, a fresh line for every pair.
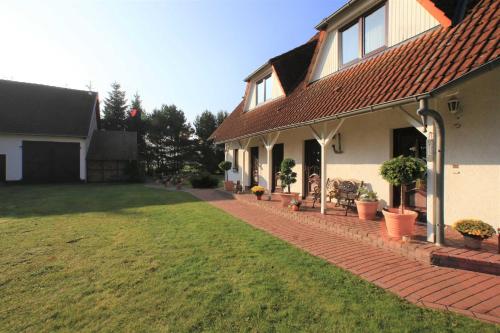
364,36
374,30
264,89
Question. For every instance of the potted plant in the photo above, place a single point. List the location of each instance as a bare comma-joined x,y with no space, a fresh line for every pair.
287,177
258,191
295,205
474,232
226,166
401,171
367,204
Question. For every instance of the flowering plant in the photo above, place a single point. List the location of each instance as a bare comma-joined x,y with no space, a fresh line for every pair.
258,190
474,228
295,202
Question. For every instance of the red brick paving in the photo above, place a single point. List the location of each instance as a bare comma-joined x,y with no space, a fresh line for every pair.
473,294
374,233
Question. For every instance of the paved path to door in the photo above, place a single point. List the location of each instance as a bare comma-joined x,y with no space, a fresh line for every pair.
472,294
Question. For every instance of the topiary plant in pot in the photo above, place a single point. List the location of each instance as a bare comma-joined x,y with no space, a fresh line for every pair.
226,166
367,204
288,177
401,171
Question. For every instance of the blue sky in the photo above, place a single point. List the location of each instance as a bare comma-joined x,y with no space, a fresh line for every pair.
192,53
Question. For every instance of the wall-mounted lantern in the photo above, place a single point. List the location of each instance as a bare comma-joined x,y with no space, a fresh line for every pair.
454,106
455,109
337,144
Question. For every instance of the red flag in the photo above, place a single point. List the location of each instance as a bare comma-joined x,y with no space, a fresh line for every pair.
133,113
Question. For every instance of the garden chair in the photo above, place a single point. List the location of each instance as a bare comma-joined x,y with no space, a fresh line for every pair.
348,192
315,188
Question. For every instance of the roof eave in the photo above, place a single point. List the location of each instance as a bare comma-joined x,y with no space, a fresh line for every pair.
436,91
249,77
324,22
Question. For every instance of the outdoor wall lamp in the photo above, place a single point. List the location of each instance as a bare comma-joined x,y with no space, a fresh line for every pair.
454,105
337,145
454,108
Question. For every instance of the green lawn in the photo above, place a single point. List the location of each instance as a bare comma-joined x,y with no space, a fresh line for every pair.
130,258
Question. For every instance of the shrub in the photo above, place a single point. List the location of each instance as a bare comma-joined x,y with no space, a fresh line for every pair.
225,166
402,171
287,176
192,168
474,228
204,181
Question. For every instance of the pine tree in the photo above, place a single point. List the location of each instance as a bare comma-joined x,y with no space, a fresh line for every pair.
205,124
170,137
115,107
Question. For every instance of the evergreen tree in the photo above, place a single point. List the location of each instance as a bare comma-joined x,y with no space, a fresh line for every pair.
209,154
205,124
115,107
221,116
170,136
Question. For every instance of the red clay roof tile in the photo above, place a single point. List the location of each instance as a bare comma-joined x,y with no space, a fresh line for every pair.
416,67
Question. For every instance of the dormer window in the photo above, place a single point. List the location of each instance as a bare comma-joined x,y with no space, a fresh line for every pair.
350,43
366,35
374,30
264,89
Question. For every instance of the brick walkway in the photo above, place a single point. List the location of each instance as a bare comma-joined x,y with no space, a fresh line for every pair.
472,294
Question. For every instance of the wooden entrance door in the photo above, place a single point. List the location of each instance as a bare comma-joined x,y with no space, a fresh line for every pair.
3,168
278,156
410,142
254,166
312,163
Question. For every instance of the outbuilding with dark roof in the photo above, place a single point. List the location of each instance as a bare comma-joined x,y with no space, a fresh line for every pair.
46,133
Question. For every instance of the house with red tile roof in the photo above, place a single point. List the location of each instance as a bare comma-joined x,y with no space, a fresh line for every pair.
346,101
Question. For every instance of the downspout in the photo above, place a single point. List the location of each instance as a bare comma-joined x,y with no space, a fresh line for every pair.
424,112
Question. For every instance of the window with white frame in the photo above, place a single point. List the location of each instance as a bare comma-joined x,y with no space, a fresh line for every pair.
264,89
366,35
374,30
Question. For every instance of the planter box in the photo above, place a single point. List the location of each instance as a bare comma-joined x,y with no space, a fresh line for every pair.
367,210
229,185
399,225
287,197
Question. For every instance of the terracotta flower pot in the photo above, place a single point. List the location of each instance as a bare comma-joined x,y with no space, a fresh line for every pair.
228,185
259,197
295,208
367,210
287,197
399,225
472,243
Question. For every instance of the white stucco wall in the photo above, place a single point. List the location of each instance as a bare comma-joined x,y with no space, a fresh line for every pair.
11,146
472,161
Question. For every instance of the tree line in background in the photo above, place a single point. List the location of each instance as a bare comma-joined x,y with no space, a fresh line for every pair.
167,143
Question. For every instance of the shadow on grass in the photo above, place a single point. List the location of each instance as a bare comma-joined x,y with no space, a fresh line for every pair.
22,201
